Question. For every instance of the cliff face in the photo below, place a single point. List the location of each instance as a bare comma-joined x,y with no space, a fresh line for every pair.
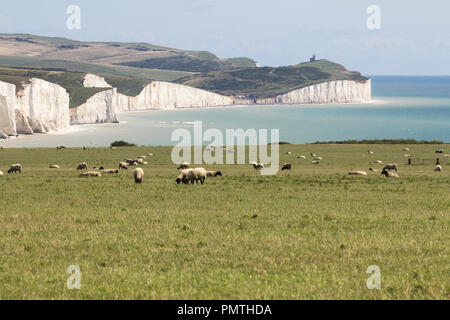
342,91
93,81
166,96
38,107
100,108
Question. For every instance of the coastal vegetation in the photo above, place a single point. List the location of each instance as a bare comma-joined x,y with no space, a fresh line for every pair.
308,233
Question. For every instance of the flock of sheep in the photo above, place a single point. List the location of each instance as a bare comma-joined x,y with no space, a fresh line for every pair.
187,175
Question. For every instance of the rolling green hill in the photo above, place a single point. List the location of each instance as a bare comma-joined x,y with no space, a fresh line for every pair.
268,82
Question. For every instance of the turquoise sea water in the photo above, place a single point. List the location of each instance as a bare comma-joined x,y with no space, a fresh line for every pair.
402,107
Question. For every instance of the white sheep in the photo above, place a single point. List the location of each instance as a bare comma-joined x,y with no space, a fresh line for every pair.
301,157
257,166
318,158
405,149
289,153
138,175
182,176
390,174
54,166
315,162
358,173
110,171
196,175
370,152
378,162
123,166
91,174
438,168
1,173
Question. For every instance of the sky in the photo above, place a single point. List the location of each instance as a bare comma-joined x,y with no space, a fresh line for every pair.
413,36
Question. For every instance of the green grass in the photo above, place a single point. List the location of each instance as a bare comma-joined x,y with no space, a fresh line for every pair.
307,234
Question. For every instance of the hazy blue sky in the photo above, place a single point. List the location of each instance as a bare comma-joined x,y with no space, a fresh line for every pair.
414,38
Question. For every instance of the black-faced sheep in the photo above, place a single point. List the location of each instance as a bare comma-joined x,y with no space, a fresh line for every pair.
182,176
15,168
257,166
390,167
183,166
196,175
123,166
438,168
213,173
286,166
390,174
82,166
138,175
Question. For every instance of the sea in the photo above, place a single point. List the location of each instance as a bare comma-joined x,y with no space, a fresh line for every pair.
402,107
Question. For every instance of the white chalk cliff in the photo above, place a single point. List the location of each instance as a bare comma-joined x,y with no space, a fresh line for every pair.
38,107
41,106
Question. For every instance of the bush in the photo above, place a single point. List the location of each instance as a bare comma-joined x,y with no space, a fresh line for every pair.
122,143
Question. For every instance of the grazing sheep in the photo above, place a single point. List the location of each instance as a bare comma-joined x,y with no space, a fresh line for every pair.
60,147
182,176
407,155
257,166
318,158
389,174
150,154
370,152
405,149
1,173
138,175
315,162
140,161
440,151
289,153
131,162
110,171
82,166
313,155
446,155
183,166
123,166
145,163
91,174
213,173
390,167
301,157
378,162
85,148
358,173
113,148
438,168
373,170
196,175
15,168
54,166
142,157
286,166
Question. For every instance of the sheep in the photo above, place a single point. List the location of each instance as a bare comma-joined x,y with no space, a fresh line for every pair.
390,167
378,162
370,152
301,157
313,155
15,168
407,155
318,158
289,153
315,162
196,175
138,175
183,166
91,174
438,168
131,162
142,157
60,147
440,151
140,161
110,171
1,173
358,173
182,176
257,166
446,155
286,166
213,173
150,155
123,166
113,148
405,149
82,166
389,174
54,166
373,170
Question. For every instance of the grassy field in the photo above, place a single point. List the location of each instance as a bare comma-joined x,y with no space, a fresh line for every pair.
307,234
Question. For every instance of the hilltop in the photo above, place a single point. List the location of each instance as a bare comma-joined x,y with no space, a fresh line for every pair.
269,82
